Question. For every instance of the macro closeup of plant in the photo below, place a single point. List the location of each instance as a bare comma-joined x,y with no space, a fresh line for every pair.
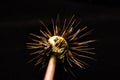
63,43
59,40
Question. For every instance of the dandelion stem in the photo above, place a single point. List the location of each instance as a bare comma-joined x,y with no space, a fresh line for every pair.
49,75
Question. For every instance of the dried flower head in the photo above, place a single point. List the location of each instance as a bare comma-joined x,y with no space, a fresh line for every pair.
64,41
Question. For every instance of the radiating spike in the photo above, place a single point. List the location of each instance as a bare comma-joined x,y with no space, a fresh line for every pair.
76,24
45,35
37,41
83,28
58,20
65,69
88,52
68,59
40,52
53,26
86,42
80,55
82,43
75,34
56,30
39,61
69,30
46,27
71,72
78,47
82,49
72,23
73,60
83,63
47,53
67,26
35,44
76,62
40,37
33,58
63,28
83,35
69,37
73,37
34,47
69,62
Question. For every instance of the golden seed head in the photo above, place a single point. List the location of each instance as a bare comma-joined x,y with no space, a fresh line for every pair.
58,44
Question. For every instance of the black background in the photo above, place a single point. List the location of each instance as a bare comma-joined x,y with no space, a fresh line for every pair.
19,18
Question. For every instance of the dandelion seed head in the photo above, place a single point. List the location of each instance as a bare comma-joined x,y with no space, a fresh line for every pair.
64,41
